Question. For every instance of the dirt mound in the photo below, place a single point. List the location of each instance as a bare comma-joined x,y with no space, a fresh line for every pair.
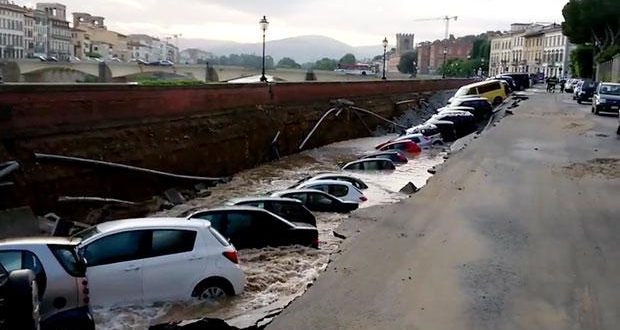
605,167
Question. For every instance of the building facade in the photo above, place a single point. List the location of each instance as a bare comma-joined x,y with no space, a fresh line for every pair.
531,48
29,33
431,54
41,31
95,40
11,30
59,33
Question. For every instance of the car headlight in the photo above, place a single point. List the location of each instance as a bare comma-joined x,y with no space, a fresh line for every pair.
602,101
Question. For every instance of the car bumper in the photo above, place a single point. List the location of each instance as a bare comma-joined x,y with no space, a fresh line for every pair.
608,108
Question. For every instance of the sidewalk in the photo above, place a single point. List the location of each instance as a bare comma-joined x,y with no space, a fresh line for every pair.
520,230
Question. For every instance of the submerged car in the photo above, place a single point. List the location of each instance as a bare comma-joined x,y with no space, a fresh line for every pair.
252,227
158,260
606,98
479,107
356,182
319,201
341,189
403,146
429,130
396,157
370,164
288,208
464,122
60,276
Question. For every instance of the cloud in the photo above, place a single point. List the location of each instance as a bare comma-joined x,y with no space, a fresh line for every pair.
359,22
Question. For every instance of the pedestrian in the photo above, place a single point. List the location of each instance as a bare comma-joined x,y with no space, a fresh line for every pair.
562,85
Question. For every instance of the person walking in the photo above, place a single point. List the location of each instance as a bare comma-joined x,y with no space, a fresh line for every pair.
551,82
562,85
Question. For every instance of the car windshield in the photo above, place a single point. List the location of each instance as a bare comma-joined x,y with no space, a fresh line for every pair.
610,89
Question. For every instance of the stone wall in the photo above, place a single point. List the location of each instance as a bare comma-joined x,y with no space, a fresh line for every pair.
212,131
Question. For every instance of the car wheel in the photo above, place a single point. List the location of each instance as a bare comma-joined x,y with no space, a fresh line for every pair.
213,289
24,307
578,101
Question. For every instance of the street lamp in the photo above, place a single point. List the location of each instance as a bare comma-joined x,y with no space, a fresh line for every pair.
385,44
445,57
264,24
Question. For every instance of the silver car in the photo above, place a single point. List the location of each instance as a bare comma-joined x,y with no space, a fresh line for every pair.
60,276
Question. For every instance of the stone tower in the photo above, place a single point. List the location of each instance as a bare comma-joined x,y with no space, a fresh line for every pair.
404,43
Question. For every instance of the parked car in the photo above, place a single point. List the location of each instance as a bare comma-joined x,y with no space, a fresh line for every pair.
472,96
60,276
606,98
253,227
586,93
403,146
446,129
420,139
370,164
166,63
429,130
521,80
319,201
288,208
158,260
570,85
19,300
464,122
577,88
341,189
356,182
491,90
48,59
509,80
395,156
482,109
139,61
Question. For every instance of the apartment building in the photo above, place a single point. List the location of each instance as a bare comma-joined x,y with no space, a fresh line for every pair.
11,30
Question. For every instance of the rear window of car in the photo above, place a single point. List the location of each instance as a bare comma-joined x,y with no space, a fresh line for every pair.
68,259
219,237
340,190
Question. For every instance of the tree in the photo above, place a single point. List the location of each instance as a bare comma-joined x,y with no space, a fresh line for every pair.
405,65
592,22
459,68
326,64
481,48
348,59
581,61
288,63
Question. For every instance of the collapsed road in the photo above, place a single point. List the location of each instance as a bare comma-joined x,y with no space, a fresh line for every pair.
517,231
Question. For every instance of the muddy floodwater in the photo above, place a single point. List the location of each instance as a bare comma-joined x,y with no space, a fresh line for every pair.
275,276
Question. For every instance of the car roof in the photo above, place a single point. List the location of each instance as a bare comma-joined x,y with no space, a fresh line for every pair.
304,191
262,198
469,99
49,240
242,208
117,225
481,83
330,182
367,160
323,175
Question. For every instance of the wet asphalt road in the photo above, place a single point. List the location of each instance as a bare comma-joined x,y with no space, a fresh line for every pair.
520,230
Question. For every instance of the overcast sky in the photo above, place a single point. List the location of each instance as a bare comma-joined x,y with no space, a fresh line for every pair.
360,22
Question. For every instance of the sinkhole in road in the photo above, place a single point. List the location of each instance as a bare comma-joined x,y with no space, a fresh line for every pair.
276,276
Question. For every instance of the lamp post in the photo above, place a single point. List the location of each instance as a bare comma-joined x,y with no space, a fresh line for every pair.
445,57
264,24
385,44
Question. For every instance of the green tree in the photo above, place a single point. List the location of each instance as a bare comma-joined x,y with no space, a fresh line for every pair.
581,61
326,64
594,22
459,68
481,48
288,63
405,65
348,59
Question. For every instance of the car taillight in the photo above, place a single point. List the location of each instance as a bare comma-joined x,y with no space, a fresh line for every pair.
363,198
402,158
232,256
315,243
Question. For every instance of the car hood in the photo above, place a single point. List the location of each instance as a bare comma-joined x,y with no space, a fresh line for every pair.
610,97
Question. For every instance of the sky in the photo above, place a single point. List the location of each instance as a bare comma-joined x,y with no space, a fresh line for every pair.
357,23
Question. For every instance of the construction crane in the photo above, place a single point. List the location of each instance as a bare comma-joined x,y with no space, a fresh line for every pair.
447,19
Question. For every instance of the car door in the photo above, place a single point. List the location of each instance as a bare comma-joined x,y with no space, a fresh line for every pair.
239,229
174,263
114,267
320,203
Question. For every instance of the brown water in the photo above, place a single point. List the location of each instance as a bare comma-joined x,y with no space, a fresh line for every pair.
278,275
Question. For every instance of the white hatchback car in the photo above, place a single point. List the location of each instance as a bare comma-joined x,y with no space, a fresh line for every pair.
158,260
341,189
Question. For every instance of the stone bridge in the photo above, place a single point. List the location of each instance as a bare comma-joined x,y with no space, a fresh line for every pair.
30,70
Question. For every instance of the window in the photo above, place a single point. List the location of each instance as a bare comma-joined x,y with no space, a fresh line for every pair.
216,220
166,242
320,200
16,260
116,248
371,166
238,222
68,259
300,197
321,187
342,190
356,166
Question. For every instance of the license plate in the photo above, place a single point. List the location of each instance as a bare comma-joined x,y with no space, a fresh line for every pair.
616,107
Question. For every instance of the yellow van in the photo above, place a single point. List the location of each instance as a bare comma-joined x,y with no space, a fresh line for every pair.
492,90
